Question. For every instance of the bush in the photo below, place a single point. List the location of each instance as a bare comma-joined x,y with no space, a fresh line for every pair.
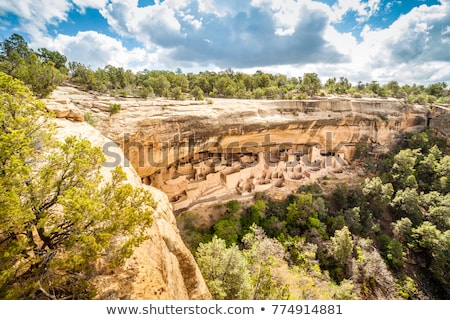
114,108
145,92
123,92
89,118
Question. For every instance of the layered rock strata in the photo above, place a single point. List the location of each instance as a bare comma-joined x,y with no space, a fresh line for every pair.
161,267
192,149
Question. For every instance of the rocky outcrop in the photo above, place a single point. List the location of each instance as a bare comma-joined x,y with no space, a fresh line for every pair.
194,149
439,119
186,152
161,267
63,109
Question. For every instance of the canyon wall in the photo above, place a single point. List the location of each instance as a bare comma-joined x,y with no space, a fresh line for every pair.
439,120
188,152
161,267
192,150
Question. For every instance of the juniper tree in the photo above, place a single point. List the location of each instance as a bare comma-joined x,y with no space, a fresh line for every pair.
58,217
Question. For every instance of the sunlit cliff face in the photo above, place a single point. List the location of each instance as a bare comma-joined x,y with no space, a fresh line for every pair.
191,148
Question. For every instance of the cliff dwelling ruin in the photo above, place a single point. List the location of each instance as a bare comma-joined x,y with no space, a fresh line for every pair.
198,152
202,176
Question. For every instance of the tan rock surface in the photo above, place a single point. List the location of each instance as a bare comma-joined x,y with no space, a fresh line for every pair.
167,141
162,267
65,110
155,132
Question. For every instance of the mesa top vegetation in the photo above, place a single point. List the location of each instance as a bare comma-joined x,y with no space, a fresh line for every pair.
43,70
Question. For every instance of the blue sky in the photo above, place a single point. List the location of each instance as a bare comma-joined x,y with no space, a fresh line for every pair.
363,40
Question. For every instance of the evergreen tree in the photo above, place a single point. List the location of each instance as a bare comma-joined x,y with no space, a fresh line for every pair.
224,269
57,217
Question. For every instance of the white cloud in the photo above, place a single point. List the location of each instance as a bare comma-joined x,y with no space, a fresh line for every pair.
409,50
98,50
412,37
150,24
222,8
228,33
196,23
363,9
94,4
35,15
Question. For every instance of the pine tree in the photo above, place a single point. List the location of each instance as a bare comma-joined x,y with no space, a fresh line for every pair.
58,218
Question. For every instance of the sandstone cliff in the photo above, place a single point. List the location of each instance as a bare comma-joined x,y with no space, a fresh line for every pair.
162,267
439,119
194,150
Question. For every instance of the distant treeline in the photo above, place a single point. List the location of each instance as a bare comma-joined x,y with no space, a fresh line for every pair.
43,70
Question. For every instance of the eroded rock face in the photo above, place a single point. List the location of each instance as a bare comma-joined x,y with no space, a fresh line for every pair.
439,119
192,149
65,110
161,267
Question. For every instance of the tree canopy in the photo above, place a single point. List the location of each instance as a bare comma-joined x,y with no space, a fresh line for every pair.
57,215
43,70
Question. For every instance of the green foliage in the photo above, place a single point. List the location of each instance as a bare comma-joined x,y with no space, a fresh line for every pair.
41,71
233,206
404,166
144,92
114,108
436,245
377,194
262,254
342,245
406,202
224,270
228,229
407,288
311,84
123,92
57,220
313,188
89,118
198,93
176,93
192,233
391,250
54,58
402,229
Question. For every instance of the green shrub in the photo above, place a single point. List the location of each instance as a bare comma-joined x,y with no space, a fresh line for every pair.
123,92
114,108
89,118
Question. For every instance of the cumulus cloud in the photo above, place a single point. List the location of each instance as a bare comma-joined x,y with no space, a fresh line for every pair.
154,24
413,49
413,41
363,9
98,50
94,4
289,36
232,33
35,15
